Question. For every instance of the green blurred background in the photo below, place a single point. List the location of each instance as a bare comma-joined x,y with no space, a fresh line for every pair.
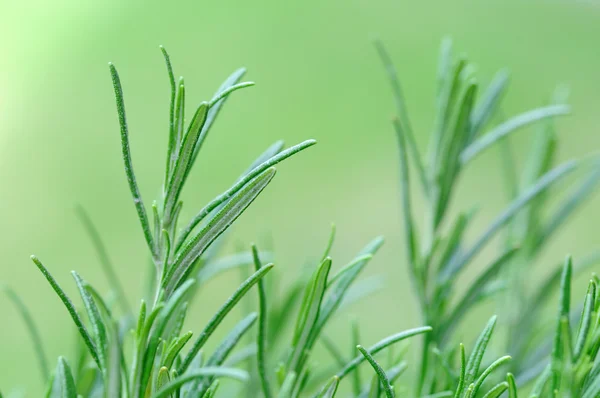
317,77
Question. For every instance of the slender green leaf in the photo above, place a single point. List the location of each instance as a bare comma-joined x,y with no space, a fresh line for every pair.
387,387
105,262
497,390
156,334
409,229
349,268
563,316
308,316
261,336
175,384
221,314
183,163
463,372
570,204
239,185
214,110
226,346
540,383
484,375
478,351
392,375
486,107
330,389
178,132
448,88
36,339
175,348
593,389
475,288
512,386
133,187
501,131
356,376
226,263
173,85
338,291
404,120
212,390
287,387
451,245
217,225
587,313
448,164
89,342
380,346
229,90
543,183
98,326
63,385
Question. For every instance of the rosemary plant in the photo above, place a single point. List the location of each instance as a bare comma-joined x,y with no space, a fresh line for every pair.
438,254
147,354
166,361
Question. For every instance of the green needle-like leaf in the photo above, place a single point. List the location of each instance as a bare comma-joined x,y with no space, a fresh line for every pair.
133,187
239,185
475,288
543,183
524,119
171,111
287,387
226,346
32,329
261,337
497,390
587,313
215,108
570,204
217,225
484,375
89,342
98,326
175,384
219,96
105,262
478,351
409,231
330,389
448,165
183,163
488,105
338,291
404,121
212,390
463,372
512,386
221,314
560,345
356,376
63,385
380,346
387,387
175,348
308,316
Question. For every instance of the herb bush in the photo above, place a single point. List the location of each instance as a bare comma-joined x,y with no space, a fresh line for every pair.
143,351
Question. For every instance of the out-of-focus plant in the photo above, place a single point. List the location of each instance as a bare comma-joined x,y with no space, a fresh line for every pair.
438,255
